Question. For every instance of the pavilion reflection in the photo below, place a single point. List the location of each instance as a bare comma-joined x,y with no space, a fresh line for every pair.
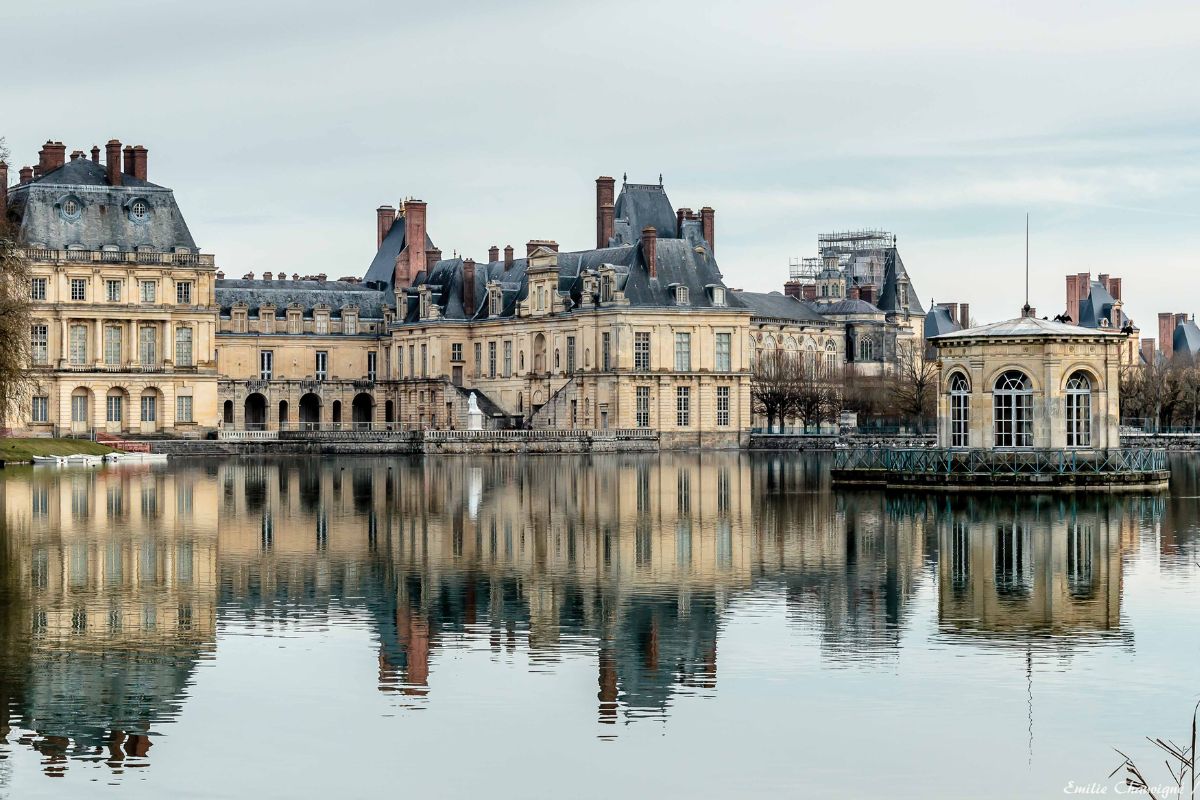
112,582
109,587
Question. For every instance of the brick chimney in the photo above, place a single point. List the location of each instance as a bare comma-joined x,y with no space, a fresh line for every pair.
128,152
1148,350
268,276
964,315
534,244
468,286
3,188
76,155
681,215
112,159
604,210
26,174
810,291
411,261
1114,288
385,216
432,256
493,254
792,289
708,226
952,310
1072,293
1166,333
95,154
139,162
650,250
508,256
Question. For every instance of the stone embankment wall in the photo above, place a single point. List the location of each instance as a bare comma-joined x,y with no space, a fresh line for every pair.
814,441
1166,441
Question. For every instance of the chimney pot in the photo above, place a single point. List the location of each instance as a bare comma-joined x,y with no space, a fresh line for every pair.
411,261
26,174
112,159
468,287
128,160
605,187
249,276
268,275
95,154
385,217
650,250
508,256
295,276
493,254
321,276
964,315
220,275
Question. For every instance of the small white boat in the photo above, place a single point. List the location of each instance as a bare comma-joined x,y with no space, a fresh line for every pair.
81,460
49,461
135,458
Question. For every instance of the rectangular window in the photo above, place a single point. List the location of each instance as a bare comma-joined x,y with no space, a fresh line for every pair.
79,288
183,408
424,360
39,343
643,406
350,325
113,410
372,356
113,345
723,362
78,344
266,364
508,358
148,346
321,324
683,406
183,293
41,409
37,289
149,408
412,361
79,408
641,352
605,352
723,406
295,323
478,359
683,352
322,365
491,359
112,291
149,292
456,351
183,347
570,355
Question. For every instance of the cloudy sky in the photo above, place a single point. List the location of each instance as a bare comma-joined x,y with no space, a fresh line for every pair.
282,125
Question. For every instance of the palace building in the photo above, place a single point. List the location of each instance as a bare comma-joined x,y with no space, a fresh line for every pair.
135,332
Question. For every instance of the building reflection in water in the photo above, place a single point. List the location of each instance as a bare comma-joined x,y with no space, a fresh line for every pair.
112,581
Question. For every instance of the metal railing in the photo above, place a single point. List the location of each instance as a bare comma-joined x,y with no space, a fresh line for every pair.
1003,462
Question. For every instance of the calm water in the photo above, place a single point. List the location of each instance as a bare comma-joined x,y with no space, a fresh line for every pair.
660,626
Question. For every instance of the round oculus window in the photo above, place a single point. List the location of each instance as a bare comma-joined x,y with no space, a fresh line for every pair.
139,210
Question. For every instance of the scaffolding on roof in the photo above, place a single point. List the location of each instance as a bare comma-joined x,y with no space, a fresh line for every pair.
846,242
804,270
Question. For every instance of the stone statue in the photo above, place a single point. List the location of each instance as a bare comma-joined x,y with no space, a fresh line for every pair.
474,415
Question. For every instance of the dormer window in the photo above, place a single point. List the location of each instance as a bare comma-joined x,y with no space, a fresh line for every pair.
681,295
71,209
424,298
495,302
139,211
718,295
349,324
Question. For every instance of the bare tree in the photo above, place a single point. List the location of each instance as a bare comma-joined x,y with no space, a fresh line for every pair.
914,384
15,377
771,385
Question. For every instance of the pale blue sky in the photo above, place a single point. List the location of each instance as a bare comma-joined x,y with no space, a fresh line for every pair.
282,125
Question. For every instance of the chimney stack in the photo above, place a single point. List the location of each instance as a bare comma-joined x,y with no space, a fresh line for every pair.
508,256
851,293
708,227
268,276
468,287
534,244
493,254
385,216
26,174
650,249
112,157
3,188
95,154
1148,350
952,310
810,291
604,210
964,315
432,256
128,168
1166,333
1114,288
139,162
76,155
411,261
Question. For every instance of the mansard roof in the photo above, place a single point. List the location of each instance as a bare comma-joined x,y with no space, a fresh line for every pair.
382,272
1096,306
773,305
893,273
640,205
104,218
939,321
1186,339
307,294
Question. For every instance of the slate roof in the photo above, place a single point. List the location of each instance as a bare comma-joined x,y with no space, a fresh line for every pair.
639,205
382,272
307,294
938,321
773,305
1096,306
104,220
1027,326
1186,339
893,271
847,307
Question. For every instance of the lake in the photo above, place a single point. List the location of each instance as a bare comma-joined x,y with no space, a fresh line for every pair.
674,625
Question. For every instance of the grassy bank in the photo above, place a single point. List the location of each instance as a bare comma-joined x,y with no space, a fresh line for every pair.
14,450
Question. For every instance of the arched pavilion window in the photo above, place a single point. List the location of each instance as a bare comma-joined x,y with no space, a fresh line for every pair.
830,358
1012,405
960,411
1079,410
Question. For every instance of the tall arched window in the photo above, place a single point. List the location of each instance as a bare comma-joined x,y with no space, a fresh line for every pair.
1012,405
866,351
830,358
810,358
960,411
1079,410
